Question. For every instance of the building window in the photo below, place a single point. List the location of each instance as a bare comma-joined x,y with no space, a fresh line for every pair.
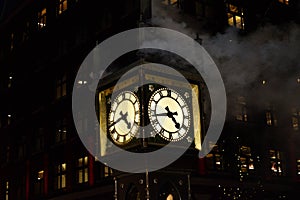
21,185
61,131
7,190
241,109
276,162
9,119
107,171
25,35
12,41
42,18
215,159
21,151
60,176
61,87
286,2
39,140
298,167
39,183
246,160
82,170
62,6
10,79
7,154
235,16
271,119
169,2
296,120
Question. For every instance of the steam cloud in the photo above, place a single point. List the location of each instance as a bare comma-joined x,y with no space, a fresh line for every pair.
271,53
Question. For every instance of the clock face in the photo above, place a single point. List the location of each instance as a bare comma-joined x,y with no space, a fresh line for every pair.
169,114
124,117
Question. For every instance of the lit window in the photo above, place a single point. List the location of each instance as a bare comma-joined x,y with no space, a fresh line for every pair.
215,159
10,78
235,16
233,8
241,109
39,183
298,167
60,176
7,190
296,120
276,162
271,119
169,2
170,197
9,119
61,87
42,18
82,170
12,41
62,6
107,171
61,131
286,2
246,160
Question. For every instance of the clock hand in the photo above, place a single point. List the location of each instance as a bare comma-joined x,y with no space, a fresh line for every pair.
115,122
171,115
124,117
162,114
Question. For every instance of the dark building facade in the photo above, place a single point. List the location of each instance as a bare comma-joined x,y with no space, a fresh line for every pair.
42,47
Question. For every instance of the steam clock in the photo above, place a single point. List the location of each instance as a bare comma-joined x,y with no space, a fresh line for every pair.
144,108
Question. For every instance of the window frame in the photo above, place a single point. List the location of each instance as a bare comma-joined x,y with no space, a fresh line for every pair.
235,11
62,6
276,162
39,184
61,131
215,159
82,170
42,18
60,176
61,87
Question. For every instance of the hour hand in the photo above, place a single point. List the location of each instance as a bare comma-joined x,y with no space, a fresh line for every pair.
170,115
162,114
124,117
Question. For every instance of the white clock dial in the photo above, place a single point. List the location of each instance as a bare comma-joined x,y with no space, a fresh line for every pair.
124,117
169,114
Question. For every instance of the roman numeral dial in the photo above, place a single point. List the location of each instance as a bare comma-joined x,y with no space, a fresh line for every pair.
169,114
124,117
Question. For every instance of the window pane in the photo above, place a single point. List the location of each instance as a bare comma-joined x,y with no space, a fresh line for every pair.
64,89
80,174
63,181
86,175
86,161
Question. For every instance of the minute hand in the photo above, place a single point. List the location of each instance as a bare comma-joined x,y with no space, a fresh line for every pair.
170,115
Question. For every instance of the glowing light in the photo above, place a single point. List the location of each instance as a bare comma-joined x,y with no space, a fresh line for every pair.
264,82
82,82
40,175
251,166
